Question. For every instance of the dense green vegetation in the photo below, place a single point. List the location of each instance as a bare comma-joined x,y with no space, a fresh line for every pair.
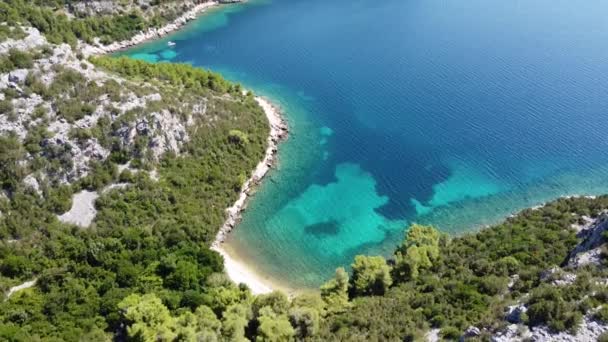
152,237
184,75
51,19
7,32
455,283
143,270
151,278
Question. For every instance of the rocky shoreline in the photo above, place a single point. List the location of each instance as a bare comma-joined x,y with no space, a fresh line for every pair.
237,271
153,33
278,133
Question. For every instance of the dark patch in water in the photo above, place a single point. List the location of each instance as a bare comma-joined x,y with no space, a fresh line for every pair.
324,228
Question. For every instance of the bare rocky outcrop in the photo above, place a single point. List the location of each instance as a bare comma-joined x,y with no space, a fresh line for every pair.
83,211
33,39
432,335
557,277
513,332
99,7
17,76
589,330
165,131
470,332
589,250
514,313
31,182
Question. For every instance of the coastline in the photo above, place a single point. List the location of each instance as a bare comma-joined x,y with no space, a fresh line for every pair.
152,33
236,270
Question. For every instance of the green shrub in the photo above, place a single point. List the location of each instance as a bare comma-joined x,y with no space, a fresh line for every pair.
237,137
73,110
6,107
80,134
450,333
602,314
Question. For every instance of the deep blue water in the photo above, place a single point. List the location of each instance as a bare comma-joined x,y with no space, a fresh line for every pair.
452,113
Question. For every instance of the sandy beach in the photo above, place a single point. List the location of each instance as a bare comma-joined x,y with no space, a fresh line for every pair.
236,270
240,273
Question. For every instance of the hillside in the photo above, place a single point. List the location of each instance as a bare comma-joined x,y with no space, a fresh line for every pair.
165,147
92,22
540,275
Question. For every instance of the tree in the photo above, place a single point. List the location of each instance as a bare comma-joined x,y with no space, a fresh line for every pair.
235,320
305,320
238,137
274,327
202,325
276,301
311,300
335,292
185,327
147,318
224,297
419,250
16,266
207,322
185,276
371,275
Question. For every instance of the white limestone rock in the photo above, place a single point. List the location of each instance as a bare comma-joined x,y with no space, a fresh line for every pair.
588,251
18,76
33,40
31,182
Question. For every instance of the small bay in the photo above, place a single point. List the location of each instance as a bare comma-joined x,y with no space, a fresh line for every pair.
451,113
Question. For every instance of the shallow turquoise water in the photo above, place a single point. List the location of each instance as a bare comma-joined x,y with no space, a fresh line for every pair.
449,113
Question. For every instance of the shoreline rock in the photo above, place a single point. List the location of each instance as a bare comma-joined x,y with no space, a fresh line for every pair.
238,271
278,133
152,33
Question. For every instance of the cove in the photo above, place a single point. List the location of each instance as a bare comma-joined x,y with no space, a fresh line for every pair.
450,113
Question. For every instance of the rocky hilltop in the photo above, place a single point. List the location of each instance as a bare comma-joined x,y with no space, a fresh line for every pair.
588,253
82,114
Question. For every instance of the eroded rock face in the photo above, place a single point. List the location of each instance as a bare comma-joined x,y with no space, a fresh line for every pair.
514,313
588,251
557,277
513,332
471,331
589,330
33,40
83,209
104,7
18,76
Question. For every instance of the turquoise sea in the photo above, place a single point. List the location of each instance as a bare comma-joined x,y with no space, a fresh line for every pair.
443,112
